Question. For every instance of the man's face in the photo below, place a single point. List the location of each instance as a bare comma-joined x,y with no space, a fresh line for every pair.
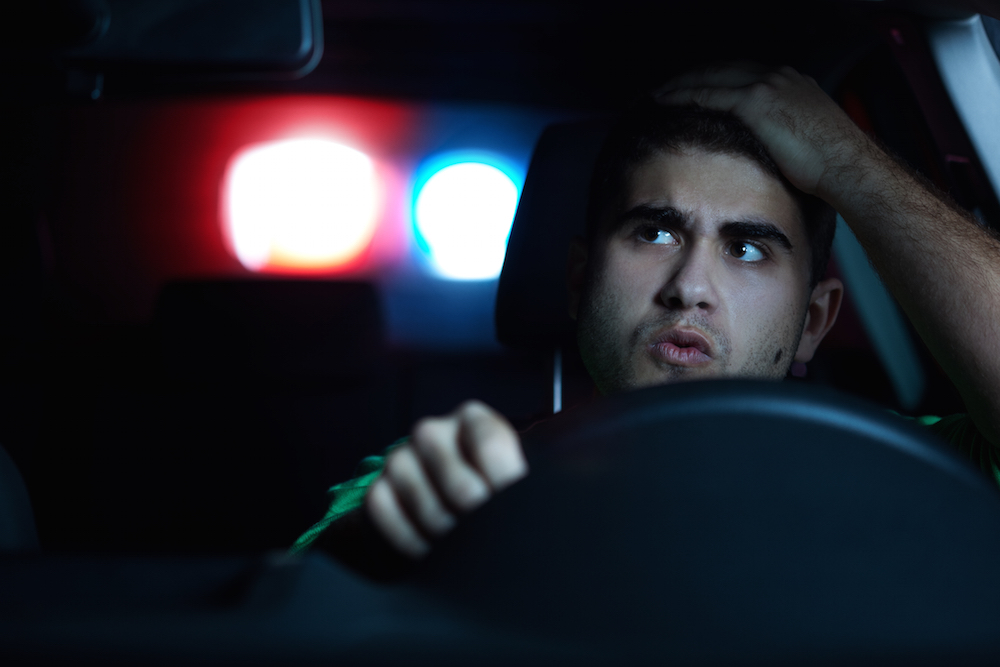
702,273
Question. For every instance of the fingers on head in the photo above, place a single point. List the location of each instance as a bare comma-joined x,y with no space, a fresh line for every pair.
392,521
789,71
733,74
708,86
723,99
436,441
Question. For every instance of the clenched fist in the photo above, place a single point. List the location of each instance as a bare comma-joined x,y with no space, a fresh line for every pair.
450,466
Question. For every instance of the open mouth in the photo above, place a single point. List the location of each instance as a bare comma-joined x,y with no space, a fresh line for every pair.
682,347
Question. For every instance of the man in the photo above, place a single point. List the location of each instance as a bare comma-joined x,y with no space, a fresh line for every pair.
704,260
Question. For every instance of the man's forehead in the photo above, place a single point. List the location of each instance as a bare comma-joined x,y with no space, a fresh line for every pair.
711,188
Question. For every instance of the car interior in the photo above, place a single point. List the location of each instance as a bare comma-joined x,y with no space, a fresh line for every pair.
190,360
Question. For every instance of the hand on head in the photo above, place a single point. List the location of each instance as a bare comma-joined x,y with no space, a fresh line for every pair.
805,132
450,466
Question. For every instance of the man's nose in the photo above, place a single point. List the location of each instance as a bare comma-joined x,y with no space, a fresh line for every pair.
691,281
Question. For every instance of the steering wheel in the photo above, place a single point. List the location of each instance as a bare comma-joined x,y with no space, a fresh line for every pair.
734,520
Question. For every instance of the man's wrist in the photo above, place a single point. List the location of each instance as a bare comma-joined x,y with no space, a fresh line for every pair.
858,170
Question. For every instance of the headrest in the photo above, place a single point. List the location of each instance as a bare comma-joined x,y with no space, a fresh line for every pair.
531,310
246,329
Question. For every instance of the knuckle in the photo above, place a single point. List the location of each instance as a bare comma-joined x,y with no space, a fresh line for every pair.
469,495
505,464
480,417
382,506
433,449
427,429
771,81
377,499
495,440
400,466
422,427
436,520
471,408
762,91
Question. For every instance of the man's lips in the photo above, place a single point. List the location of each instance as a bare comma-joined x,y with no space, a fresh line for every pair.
682,347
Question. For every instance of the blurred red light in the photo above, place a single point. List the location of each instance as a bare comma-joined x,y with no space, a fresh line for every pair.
300,204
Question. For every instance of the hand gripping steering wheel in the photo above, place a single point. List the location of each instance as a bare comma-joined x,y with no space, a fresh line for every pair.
735,520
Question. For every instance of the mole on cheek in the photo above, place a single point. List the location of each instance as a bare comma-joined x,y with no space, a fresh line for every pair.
777,357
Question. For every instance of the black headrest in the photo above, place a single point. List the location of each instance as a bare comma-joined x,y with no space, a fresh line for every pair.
531,307
239,329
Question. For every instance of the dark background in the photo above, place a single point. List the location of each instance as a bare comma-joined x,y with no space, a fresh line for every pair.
126,448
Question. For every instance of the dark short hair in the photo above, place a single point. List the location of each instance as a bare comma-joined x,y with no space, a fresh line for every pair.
650,127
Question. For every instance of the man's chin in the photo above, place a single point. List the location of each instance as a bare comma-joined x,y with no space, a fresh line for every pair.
663,374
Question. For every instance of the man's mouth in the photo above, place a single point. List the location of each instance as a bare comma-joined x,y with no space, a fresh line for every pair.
682,347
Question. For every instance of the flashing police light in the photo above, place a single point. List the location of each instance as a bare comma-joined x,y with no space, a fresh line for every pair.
300,204
463,215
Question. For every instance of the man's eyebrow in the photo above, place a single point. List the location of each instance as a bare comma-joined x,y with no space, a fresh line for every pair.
755,229
739,229
657,214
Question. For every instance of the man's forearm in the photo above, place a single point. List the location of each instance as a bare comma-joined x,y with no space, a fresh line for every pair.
941,265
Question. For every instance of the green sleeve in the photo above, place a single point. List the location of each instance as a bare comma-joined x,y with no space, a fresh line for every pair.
346,496
961,433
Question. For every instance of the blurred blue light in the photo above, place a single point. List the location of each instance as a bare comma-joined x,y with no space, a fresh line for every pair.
462,213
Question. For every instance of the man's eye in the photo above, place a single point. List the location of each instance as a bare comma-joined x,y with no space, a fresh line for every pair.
746,252
656,235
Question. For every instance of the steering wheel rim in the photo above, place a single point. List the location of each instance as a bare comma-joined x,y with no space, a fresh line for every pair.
786,400
838,527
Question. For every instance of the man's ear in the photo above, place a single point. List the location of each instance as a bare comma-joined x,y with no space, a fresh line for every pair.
576,271
824,304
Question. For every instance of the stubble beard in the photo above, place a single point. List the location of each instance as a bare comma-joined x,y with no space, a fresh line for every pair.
613,361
